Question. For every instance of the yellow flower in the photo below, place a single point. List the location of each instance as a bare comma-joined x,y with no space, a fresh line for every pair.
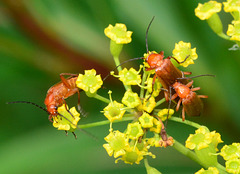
131,99
233,165
89,82
66,121
114,111
182,51
230,151
206,10
117,142
134,155
134,130
156,87
156,126
234,30
148,104
154,141
210,170
204,144
201,139
130,77
118,33
164,113
216,139
231,5
146,120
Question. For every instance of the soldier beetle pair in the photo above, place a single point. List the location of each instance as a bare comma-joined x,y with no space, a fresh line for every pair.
169,76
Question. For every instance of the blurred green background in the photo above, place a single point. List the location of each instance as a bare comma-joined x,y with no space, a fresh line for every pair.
39,39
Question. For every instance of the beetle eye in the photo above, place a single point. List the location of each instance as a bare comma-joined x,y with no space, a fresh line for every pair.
56,107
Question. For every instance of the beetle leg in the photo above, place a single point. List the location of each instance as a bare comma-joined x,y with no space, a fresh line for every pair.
74,135
67,108
187,73
66,133
149,69
174,96
196,89
189,84
166,96
178,104
64,80
183,114
50,118
202,96
69,74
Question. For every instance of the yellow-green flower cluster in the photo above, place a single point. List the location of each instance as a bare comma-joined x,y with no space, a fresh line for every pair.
204,143
233,7
146,119
208,11
231,153
121,145
141,105
234,30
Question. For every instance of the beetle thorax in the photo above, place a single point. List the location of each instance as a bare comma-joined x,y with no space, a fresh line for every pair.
155,60
181,90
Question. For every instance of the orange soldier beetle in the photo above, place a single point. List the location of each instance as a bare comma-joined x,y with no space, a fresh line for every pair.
166,72
56,96
192,103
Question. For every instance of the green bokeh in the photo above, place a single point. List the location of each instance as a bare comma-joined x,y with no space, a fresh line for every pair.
30,64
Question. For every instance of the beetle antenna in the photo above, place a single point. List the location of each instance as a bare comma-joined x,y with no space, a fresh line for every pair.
27,102
169,105
146,39
196,76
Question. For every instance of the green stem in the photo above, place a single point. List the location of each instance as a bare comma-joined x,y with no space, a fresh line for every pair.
143,81
160,102
105,122
150,170
146,163
101,98
221,168
187,122
117,62
187,152
224,36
